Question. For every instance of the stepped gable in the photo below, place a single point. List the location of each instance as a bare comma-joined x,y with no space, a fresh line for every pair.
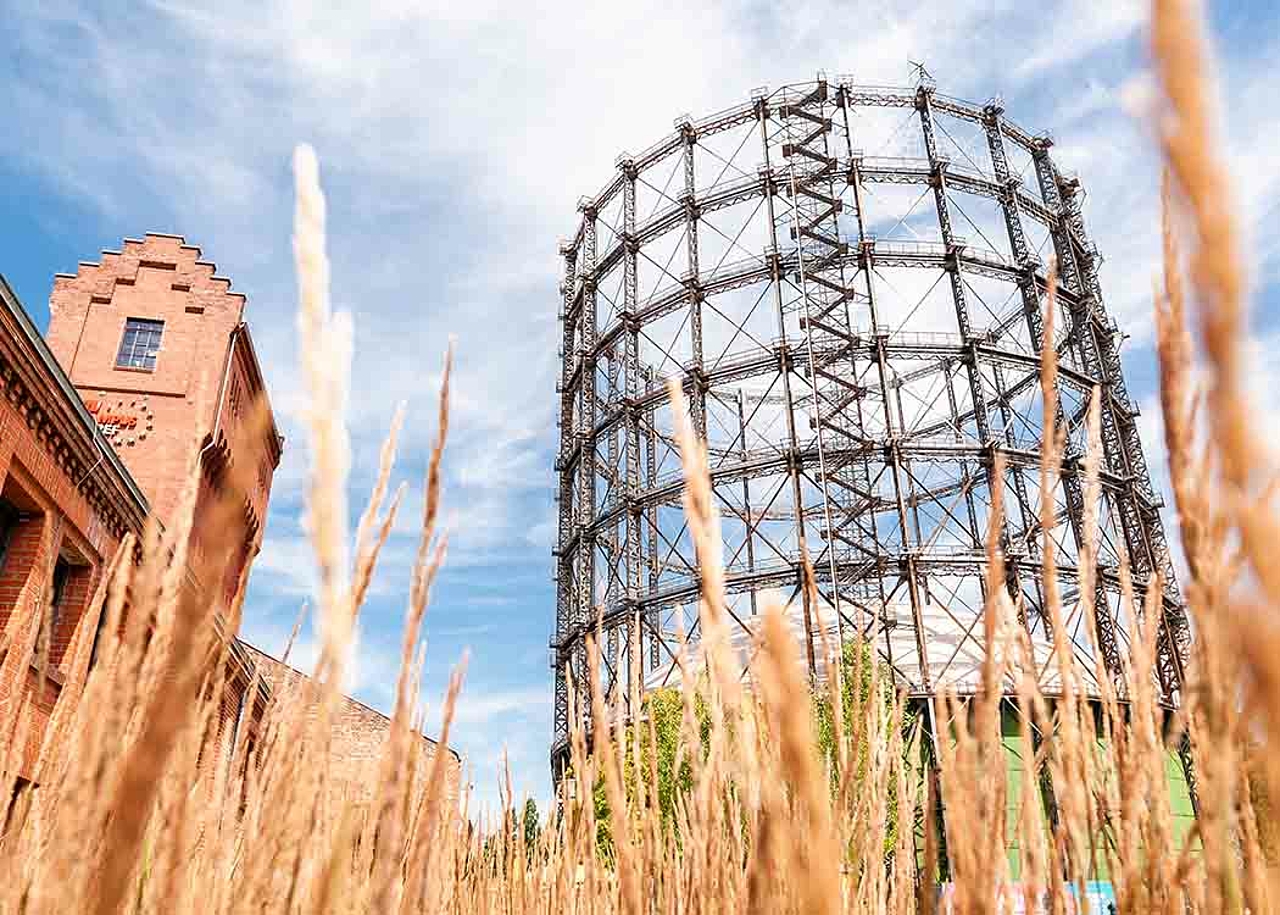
155,250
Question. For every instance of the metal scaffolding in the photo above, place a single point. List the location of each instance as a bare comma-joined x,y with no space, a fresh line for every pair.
849,282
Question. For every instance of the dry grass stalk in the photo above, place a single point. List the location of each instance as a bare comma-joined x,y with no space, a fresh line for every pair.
325,345
1223,484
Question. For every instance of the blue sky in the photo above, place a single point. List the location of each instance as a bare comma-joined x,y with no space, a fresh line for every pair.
455,140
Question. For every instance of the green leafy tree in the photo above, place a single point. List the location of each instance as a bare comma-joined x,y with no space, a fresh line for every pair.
865,681
532,826
661,724
862,674
665,708
659,729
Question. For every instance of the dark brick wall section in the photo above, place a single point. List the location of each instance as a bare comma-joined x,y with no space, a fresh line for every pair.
75,600
360,734
24,546
66,523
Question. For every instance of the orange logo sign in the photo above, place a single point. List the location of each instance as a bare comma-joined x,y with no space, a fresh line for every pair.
123,424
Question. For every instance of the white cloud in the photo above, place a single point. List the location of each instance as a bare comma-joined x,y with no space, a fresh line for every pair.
1077,29
366,664
289,562
483,707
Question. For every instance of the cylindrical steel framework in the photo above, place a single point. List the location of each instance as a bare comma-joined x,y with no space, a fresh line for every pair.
850,283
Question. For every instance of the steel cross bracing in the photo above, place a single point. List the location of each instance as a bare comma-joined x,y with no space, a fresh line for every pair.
849,282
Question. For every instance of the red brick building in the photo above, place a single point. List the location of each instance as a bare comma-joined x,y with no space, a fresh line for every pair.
156,344
148,358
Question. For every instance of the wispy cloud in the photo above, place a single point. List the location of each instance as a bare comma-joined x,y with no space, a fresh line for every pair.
484,707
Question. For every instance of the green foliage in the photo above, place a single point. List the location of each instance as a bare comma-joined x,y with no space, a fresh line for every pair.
865,680
532,826
604,829
662,716
665,708
661,726
858,669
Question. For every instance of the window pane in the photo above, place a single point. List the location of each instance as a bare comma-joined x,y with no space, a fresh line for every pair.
139,344
8,522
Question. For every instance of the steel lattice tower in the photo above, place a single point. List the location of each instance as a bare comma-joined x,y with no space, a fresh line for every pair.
850,283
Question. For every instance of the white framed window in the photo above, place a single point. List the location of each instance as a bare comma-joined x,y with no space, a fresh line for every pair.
139,344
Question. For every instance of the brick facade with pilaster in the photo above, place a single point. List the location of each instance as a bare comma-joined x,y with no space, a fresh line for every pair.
64,500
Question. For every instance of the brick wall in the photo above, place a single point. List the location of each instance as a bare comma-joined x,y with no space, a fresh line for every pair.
360,734
19,558
74,503
66,524
44,692
81,582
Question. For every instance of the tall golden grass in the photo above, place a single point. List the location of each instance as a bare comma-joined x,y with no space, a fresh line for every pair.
155,809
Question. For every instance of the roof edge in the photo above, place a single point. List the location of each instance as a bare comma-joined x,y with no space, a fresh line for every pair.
60,379
255,367
266,654
214,276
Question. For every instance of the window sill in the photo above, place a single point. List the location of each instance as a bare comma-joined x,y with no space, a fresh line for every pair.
53,674
128,368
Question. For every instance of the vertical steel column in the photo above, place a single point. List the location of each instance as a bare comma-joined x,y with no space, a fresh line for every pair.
892,460
1071,484
1026,512
1140,517
1083,332
865,581
566,591
746,494
630,294
654,613
871,589
612,548
587,464
938,179
966,481
892,454
913,496
992,124
1013,224
866,253
693,279
1047,178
